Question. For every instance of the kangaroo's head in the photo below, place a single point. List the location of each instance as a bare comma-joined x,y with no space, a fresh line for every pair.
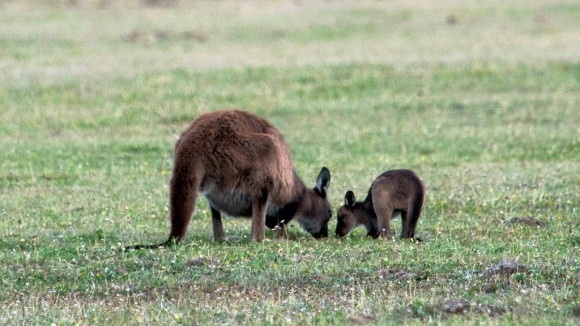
347,215
316,211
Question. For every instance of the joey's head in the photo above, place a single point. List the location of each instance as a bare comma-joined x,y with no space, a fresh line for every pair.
346,216
315,217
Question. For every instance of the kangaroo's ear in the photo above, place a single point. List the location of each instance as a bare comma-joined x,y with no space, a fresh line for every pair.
349,199
323,180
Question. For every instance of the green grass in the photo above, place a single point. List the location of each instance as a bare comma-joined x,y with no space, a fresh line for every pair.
485,110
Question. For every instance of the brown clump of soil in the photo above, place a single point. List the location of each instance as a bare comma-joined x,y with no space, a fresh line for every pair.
529,221
399,274
505,268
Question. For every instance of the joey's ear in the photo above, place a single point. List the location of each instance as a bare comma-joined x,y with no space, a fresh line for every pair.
323,180
349,199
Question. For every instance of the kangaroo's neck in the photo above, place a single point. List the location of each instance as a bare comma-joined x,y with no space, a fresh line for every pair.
308,203
295,204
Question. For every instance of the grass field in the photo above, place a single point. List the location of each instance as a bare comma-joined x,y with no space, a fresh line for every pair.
481,99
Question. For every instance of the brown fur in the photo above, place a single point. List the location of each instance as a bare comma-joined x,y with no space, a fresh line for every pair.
393,192
243,166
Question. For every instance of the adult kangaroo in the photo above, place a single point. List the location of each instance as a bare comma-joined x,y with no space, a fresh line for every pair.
242,165
392,192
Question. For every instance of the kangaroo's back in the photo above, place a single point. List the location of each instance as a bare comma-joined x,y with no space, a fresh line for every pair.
228,145
243,167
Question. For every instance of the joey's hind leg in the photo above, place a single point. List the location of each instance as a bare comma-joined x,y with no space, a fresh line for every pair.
385,229
405,231
384,214
413,216
218,229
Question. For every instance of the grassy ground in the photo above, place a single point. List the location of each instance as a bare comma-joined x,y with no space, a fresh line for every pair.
480,99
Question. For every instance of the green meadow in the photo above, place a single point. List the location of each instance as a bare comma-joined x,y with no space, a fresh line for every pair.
481,99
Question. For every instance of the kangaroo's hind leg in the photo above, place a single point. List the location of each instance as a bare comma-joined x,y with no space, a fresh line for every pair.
259,206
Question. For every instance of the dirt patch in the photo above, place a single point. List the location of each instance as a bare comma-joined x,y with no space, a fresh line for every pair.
159,35
504,275
528,221
455,306
202,261
489,309
505,269
400,275
360,318
461,306
452,19
160,3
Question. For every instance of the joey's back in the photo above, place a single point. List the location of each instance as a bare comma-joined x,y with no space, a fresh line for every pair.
393,192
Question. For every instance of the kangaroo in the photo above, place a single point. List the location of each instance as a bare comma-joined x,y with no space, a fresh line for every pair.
396,191
243,167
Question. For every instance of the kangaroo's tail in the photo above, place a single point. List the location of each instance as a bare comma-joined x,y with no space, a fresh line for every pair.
170,242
